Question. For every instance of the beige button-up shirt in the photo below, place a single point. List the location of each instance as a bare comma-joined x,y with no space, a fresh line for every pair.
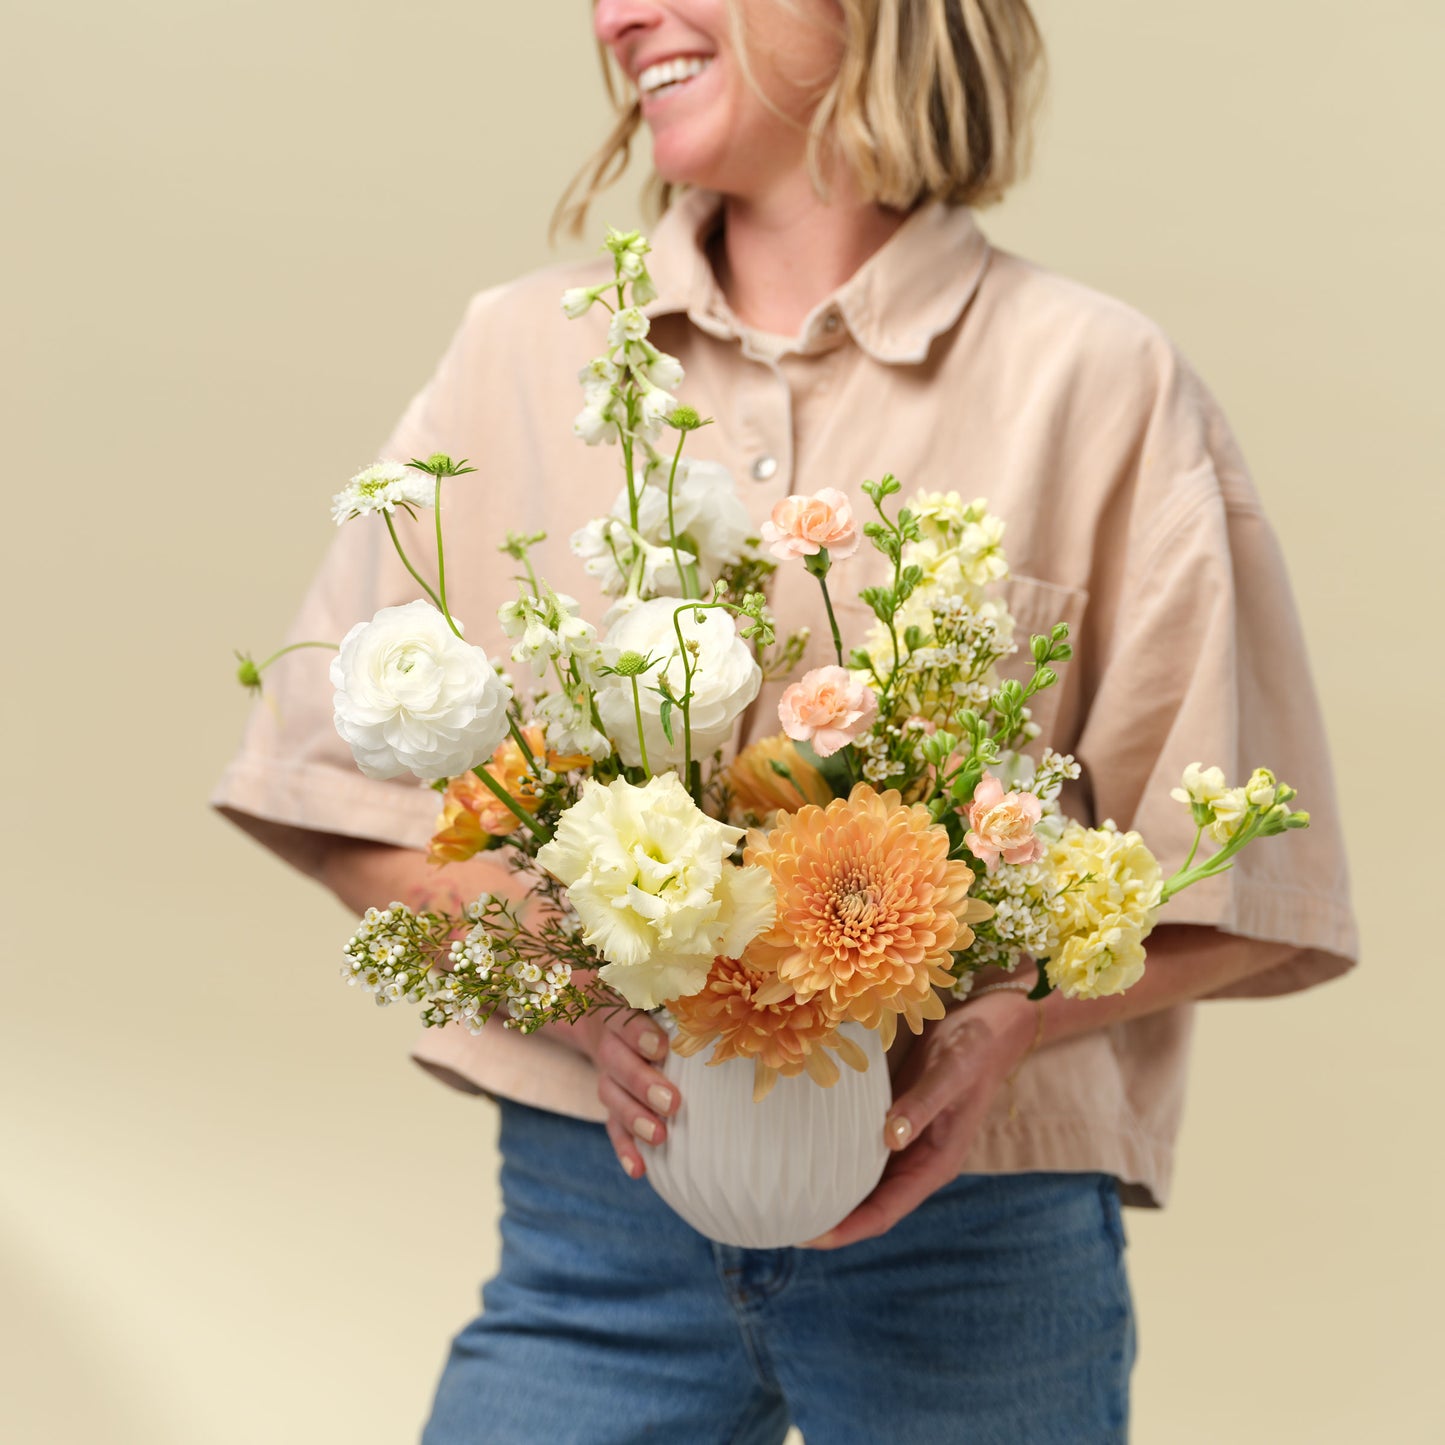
955,365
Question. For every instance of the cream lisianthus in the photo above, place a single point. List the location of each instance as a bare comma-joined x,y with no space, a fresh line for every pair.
412,696
648,874
725,679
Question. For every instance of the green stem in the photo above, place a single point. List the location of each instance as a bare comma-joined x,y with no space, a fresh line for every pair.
686,701
262,666
521,741
532,577
833,621
421,581
441,557
683,580
637,713
1198,834
512,805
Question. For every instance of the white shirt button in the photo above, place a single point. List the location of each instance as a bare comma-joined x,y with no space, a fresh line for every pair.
764,468
830,321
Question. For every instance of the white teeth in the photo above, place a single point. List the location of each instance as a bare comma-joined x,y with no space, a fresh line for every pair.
670,72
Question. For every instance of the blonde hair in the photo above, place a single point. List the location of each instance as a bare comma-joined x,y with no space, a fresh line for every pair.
933,99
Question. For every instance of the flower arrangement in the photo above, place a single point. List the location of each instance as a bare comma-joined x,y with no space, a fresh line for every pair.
859,866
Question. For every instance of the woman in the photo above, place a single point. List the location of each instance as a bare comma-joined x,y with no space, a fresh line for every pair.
839,312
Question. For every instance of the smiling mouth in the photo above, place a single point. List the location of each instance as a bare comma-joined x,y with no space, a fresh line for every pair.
671,75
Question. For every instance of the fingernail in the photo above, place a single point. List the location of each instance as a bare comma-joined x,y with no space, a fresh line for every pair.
644,1129
899,1131
651,1044
660,1097
630,1168
822,1241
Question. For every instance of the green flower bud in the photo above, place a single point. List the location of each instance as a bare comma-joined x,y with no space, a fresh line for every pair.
248,674
684,418
630,664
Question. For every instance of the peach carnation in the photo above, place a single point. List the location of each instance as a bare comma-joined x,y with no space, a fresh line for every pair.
803,526
783,1037
827,707
870,909
1003,824
756,787
472,815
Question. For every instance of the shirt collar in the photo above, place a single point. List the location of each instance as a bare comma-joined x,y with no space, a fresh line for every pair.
911,289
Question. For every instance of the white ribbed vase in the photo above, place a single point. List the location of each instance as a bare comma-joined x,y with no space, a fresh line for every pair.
780,1171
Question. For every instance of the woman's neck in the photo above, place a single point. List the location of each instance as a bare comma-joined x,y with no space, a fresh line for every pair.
780,254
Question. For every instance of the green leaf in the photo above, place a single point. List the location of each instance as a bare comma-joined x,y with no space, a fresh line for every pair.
1043,988
666,719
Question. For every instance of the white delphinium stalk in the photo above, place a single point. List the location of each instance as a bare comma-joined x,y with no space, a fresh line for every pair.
382,488
549,629
713,532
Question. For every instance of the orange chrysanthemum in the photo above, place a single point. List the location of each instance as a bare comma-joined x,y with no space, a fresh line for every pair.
782,1038
472,815
757,788
870,908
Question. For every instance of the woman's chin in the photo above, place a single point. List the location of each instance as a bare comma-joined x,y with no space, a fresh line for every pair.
681,162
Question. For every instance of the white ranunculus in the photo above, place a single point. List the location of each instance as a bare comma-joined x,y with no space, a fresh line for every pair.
647,872
411,696
726,678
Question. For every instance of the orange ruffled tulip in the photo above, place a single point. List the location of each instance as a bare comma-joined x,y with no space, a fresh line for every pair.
756,789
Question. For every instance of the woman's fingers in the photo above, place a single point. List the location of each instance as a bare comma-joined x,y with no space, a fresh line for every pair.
637,1096
639,1121
626,1150
616,1060
644,1036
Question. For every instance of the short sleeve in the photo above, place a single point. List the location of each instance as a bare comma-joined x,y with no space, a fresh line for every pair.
292,771
1206,662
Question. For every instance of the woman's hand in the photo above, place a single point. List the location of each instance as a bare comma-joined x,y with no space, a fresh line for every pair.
942,1092
625,1046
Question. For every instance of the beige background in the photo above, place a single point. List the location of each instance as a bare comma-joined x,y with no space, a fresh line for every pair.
237,237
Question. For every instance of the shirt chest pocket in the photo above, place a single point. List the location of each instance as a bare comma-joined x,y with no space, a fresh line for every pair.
1037,606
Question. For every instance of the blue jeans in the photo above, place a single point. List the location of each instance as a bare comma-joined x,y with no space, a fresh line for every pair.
998,1311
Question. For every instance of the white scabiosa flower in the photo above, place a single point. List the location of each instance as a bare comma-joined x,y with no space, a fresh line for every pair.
380,488
412,696
647,872
725,679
